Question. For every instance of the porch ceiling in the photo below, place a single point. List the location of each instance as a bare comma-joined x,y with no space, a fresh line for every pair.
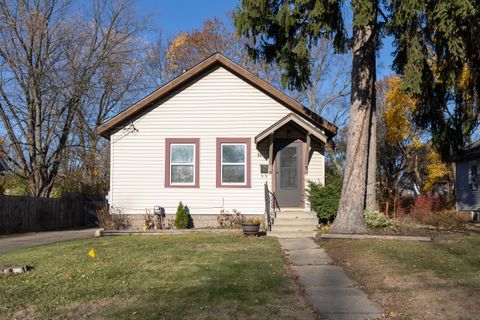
291,117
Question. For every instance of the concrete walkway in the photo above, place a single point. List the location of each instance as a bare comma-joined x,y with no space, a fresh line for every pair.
330,291
14,242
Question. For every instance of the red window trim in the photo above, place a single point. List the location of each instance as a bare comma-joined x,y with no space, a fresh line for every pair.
248,161
168,143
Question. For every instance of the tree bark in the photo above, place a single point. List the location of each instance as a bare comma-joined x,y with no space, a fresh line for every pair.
371,196
362,107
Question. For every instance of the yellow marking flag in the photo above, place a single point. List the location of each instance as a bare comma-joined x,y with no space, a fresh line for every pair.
92,253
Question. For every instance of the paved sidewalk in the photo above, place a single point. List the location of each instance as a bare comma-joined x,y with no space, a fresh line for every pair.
14,242
328,288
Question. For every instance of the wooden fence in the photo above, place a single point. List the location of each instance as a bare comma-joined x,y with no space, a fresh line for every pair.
26,214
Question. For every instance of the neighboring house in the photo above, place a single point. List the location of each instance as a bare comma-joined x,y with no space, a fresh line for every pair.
3,166
467,179
212,138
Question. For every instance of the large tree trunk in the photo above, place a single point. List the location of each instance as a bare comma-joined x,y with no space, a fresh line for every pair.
362,107
371,197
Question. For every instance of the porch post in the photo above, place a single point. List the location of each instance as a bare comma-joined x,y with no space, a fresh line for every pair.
270,153
307,152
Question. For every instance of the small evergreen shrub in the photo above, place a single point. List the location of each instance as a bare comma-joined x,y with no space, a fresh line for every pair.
181,218
376,220
324,199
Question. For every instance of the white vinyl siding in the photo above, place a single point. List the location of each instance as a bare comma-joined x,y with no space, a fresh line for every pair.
218,105
316,169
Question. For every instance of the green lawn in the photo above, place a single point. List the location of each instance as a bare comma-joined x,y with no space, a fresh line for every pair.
422,280
201,276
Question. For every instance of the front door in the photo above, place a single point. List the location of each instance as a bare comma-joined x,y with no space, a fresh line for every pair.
288,174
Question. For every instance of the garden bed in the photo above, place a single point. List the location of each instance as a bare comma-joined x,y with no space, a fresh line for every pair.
127,232
373,236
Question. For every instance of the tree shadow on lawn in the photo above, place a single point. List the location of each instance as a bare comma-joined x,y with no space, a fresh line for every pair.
170,277
231,289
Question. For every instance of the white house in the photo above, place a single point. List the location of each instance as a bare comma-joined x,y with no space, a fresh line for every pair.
214,138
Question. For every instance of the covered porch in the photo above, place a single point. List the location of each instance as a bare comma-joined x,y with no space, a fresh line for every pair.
294,149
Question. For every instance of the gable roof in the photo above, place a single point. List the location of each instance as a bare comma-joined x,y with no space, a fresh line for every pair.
302,123
215,61
470,152
473,145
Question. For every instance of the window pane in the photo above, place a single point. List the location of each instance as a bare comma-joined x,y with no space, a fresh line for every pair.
233,173
288,168
233,153
182,174
182,153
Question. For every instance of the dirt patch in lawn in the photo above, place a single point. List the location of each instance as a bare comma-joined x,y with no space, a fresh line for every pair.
86,310
293,308
74,311
27,313
417,294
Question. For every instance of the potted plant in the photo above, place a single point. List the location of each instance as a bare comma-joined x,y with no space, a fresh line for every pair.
251,226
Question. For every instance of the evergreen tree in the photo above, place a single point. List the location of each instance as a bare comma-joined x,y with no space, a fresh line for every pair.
438,54
181,217
283,32
436,42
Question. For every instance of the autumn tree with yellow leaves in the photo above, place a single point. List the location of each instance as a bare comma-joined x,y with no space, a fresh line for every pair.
438,172
406,164
397,141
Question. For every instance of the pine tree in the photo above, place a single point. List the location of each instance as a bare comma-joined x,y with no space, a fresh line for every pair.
446,30
438,55
283,32
181,217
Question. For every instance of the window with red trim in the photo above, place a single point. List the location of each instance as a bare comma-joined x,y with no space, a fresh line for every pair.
233,162
182,165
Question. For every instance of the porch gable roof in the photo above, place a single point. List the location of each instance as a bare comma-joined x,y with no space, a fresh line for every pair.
292,117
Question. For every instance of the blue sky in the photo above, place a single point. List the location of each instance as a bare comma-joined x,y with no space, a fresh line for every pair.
173,16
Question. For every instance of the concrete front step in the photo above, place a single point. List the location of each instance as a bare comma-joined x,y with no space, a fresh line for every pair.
294,214
291,234
291,215
307,227
295,222
294,218
292,209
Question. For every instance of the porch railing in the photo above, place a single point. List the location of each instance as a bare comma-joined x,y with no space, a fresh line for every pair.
271,206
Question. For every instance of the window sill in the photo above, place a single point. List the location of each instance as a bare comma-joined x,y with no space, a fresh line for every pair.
191,186
245,186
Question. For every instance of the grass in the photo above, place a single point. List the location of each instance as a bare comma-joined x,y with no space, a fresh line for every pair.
201,276
417,280
455,259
